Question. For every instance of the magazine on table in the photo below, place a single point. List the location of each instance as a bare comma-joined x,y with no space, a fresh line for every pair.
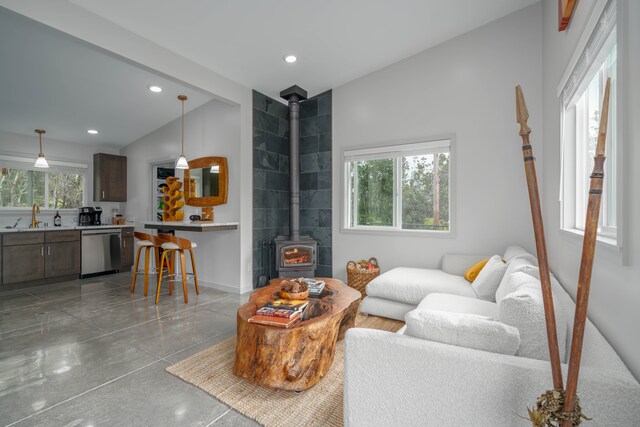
275,321
315,286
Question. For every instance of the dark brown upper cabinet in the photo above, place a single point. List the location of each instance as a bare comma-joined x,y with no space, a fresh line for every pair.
109,178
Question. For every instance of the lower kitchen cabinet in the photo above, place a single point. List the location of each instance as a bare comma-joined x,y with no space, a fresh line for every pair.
34,256
62,259
22,263
126,258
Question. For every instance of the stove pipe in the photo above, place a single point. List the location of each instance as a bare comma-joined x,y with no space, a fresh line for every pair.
294,95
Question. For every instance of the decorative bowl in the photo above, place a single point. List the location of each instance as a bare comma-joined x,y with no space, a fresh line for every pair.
296,295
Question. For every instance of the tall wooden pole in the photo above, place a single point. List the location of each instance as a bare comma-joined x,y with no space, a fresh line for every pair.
522,115
586,264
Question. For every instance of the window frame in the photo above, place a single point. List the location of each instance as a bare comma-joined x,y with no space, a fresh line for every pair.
346,208
591,51
54,167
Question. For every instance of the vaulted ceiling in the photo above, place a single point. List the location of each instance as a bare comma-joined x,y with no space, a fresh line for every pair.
335,40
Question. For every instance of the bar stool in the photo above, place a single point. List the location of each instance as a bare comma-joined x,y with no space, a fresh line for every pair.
171,245
145,241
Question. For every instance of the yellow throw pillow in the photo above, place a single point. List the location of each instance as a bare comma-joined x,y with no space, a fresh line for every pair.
472,272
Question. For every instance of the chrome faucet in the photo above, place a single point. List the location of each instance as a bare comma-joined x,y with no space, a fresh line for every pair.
34,210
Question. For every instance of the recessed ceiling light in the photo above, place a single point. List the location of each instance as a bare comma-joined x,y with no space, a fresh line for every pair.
154,88
92,131
290,58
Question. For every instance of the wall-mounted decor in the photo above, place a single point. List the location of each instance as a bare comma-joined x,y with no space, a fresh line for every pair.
565,10
206,182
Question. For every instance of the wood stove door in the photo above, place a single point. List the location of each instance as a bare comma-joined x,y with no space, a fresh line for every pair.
296,256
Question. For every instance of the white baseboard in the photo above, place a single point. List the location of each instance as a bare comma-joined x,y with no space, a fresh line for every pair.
220,287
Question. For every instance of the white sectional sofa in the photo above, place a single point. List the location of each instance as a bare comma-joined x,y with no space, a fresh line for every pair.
396,292
397,379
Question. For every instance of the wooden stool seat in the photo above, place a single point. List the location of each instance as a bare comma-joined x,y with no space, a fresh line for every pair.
145,242
174,247
170,245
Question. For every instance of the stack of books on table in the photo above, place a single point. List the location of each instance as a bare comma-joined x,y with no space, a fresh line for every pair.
281,312
315,286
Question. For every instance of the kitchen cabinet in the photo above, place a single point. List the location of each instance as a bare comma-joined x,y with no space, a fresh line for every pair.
33,256
62,253
109,178
22,257
126,256
22,263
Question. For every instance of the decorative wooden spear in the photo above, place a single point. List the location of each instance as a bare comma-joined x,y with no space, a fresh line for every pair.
522,115
586,264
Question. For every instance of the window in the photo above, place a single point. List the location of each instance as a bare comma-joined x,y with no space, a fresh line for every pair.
58,188
587,123
582,100
399,187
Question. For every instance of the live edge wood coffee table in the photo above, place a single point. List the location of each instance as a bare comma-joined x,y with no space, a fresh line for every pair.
298,357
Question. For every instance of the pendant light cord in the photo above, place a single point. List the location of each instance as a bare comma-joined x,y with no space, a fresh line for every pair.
182,152
40,132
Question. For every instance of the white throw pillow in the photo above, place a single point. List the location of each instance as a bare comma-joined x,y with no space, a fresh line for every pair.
489,278
524,309
463,330
518,252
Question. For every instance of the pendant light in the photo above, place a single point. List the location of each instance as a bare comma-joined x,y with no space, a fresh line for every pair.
182,160
41,162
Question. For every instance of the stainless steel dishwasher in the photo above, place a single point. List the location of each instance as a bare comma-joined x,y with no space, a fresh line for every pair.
100,251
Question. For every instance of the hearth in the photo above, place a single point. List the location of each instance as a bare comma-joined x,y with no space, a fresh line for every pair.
296,255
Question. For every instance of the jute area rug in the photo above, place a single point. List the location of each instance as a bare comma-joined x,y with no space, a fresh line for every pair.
321,405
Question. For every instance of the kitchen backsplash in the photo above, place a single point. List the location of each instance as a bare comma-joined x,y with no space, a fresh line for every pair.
69,216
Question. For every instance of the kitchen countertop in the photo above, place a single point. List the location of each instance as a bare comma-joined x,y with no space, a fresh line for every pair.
63,228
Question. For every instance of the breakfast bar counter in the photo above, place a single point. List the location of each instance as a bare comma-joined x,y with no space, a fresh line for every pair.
191,226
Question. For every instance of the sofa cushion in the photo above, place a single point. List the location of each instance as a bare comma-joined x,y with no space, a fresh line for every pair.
516,252
464,330
513,266
462,305
411,285
524,309
385,307
489,278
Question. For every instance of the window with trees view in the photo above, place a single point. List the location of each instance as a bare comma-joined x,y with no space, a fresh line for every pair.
22,187
399,187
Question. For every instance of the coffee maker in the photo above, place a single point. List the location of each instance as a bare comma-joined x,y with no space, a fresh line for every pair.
90,216
97,212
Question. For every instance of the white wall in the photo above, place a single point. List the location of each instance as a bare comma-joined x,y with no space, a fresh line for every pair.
615,288
78,22
210,130
26,146
463,86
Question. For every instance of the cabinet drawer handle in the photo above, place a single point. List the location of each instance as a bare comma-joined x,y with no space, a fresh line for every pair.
49,250
103,194
42,251
124,243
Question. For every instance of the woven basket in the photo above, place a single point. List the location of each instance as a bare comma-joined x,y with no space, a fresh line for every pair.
359,278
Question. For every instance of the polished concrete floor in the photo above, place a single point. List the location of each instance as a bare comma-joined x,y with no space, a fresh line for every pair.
90,353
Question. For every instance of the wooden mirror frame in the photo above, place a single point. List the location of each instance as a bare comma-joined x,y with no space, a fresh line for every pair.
223,183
